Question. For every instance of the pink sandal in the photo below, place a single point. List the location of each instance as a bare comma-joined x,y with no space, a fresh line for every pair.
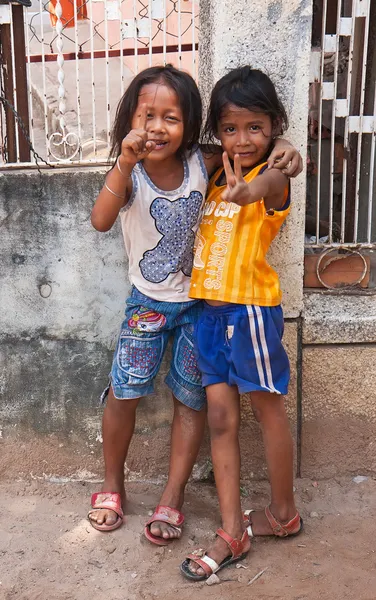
238,548
290,529
109,501
167,515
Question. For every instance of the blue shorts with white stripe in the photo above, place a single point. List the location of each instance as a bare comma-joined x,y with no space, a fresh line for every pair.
241,345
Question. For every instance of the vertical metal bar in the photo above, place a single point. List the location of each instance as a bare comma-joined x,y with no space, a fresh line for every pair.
30,97
179,34
333,127
7,71
150,34
371,172
193,40
78,97
14,92
346,133
2,131
361,114
135,37
164,32
93,80
2,115
121,51
21,81
319,140
107,72
45,109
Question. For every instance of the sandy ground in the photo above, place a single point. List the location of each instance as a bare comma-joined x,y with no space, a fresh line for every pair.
49,551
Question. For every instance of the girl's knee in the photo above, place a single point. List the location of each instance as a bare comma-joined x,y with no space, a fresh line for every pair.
121,405
222,420
265,405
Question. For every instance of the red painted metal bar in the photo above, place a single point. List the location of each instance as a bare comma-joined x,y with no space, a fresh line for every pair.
35,58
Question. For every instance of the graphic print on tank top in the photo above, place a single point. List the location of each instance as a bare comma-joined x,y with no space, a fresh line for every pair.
174,252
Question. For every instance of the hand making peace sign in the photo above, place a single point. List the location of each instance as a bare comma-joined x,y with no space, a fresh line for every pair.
136,146
237,190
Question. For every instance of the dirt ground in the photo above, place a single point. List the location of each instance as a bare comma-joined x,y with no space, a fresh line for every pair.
49,551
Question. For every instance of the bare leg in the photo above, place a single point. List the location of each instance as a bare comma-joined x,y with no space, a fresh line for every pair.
186,436
224,421
269,410
118,426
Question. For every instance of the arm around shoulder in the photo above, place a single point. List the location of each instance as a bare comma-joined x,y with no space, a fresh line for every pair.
286,158
212,156
271,186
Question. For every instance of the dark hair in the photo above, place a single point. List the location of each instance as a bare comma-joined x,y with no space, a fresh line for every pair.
187,92
247,88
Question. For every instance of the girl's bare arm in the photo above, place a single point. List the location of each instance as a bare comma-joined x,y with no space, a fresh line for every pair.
118,185
113,196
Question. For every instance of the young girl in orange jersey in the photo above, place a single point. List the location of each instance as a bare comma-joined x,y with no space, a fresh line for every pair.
239,334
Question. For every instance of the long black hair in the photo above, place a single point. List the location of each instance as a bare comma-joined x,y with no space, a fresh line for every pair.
246,88
188,95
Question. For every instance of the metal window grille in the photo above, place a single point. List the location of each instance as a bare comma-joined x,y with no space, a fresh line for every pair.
342,125
78,57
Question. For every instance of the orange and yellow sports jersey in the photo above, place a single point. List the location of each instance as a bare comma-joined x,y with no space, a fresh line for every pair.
231,246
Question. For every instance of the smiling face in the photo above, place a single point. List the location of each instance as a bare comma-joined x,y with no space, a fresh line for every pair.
165,124
245,132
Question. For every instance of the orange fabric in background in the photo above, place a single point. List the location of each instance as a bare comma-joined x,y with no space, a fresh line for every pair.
68,7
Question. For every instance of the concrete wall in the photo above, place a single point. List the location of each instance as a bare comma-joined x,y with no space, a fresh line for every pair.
62,288
338,429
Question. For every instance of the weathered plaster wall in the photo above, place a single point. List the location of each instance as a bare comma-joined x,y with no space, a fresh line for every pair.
61,279
339,410
339,383
339,319
274,36
61,297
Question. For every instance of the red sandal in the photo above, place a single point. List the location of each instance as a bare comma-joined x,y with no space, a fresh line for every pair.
167,515
238,548
290,529
109,501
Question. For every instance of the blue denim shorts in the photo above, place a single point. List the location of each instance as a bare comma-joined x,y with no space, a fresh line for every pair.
145,331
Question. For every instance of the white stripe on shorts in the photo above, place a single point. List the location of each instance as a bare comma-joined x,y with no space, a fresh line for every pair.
265,350
256,349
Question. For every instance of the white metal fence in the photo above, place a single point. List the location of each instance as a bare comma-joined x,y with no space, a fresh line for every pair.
342,128
78,57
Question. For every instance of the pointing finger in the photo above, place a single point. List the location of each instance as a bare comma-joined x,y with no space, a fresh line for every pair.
142,117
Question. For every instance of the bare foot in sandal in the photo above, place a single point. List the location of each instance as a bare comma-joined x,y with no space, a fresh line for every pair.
108,507
218,552
271,522
163,531
199,565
